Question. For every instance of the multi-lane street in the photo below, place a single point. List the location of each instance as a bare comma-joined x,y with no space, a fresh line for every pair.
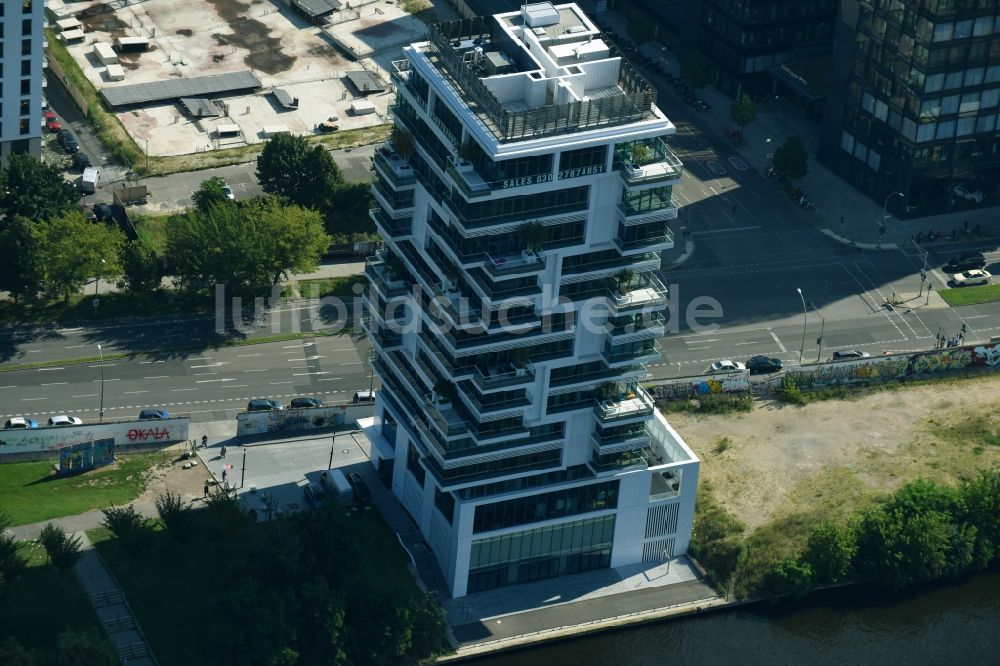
209,386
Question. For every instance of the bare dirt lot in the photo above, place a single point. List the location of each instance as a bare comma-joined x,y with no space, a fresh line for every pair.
838,455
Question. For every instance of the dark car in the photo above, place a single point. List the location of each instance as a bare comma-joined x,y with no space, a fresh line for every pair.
68,141
848,354
102,211
263,405
361,492
81,161
315,495
764,365
153,414
304,403
969,261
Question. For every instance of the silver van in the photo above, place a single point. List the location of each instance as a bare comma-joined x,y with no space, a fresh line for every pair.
336,486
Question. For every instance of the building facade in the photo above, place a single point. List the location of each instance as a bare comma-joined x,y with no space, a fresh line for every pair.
913,107
523,200
21,78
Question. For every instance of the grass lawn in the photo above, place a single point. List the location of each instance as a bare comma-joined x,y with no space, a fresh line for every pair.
42,603
80,307
152,229
987,293
167,586
341,287
31,493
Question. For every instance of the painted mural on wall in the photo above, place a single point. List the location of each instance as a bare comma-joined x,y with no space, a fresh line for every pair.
121,433
289,420
692,387
78,458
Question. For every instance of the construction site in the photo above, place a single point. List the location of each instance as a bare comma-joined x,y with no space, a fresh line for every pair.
187,76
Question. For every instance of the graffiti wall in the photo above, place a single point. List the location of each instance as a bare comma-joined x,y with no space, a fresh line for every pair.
122,433
78,458
692,387
296,420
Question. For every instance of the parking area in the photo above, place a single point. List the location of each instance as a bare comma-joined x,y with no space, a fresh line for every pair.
275,468
193,38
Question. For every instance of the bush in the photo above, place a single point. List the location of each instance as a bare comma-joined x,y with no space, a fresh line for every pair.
722,403
174,515
790,578
132,529
790,392
716,540
830,552
62,549
12,564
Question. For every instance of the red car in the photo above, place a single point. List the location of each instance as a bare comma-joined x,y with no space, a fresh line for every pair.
51,122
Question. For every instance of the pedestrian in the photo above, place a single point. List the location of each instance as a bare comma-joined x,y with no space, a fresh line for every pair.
206,490
224,474
223,452
204,441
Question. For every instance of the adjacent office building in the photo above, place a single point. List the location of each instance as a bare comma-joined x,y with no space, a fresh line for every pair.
524,199
914,102
21,78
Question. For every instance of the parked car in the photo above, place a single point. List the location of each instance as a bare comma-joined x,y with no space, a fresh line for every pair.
88,213
68,141
228,191
725,366
81,161
361,492
364,395
844,354
263,405
969,278
19,423
764,365
304,403
153,414
52,123
315,495
102,211
63,420
963,191
965,262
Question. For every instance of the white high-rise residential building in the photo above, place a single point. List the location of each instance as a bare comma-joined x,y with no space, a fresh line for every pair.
524,199
21,79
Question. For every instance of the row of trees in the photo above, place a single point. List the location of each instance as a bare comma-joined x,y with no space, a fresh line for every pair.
922,533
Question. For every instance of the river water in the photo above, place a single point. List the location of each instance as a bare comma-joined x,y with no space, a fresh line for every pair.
957,625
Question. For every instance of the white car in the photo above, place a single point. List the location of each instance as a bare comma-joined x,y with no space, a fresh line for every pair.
961,190
63,420
725,366
228,191
967,278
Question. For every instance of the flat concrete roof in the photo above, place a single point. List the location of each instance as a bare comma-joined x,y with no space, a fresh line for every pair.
365,81
158,91
315,8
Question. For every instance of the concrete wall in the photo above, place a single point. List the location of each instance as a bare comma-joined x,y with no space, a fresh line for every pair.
297,420
45,442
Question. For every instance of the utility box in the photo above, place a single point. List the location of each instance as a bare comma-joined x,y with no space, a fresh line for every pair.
131,44
88,182
114,73
105,54
362,107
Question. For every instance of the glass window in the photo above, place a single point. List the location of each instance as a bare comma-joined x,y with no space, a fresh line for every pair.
881,110
963,29
545,506
847,142
868,103
935,82
909,129
874,160
970,103
983,26
894,120
930,110
926,132
943,32
992,74
949,105
986,123
965,126
861,151
974,76
946,129
954,80
989,98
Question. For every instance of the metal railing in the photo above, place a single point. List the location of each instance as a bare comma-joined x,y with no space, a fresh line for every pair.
640,405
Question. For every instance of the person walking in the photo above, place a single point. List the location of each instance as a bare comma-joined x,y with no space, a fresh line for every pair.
224,472
206,490
204,441
223,452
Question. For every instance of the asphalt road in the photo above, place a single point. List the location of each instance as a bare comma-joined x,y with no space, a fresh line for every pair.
210,386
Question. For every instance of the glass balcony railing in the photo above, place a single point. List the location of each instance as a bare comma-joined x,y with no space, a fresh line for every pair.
394,168
658,241
516,263
651,294
391,226
472,184
662,209
385,281
494,377
646,353
651,325
640,404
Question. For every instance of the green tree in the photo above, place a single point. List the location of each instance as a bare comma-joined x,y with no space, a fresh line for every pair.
249,247
790,158
14,653
305,175
75,251
380,629
142,270
429,634
346,214
86,647
742,111
35,190
210,193
830,552
20,273
695,71
12,565
789,578
981,502
898,550
174,515
62,549
132,529
321,624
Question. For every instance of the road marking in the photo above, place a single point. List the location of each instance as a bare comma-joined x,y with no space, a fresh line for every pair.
778,342
237,386
977,317
206,381
276,383
100,365
725,230
260,370
74,346
131,392
3,387
188,389
291,346
201,358
55,383
710,340
49,369
202,374
210,365
30,399
158,377
697,348
34,351
86,395
300,374
737,344
246,355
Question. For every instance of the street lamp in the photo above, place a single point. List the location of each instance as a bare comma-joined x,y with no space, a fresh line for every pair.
881,226
802,347
97,283
822,327
767,153
100,414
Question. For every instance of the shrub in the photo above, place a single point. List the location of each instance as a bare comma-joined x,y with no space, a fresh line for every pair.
789,578
791,393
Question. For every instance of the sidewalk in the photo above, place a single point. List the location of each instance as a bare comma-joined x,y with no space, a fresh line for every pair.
835,199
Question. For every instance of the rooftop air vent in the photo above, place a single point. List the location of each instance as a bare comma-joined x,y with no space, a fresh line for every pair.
540,15
538,31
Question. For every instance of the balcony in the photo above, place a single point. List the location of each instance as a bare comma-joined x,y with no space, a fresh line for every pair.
639,406
562,214
655,242
445,415
397,205
387,283
602,463
661,209
519,263
473,185
394,168
384,339
486,410
630,373
663,168
457,308
637,438
638,327
392,227
497,378
606,267
648,352
651,295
